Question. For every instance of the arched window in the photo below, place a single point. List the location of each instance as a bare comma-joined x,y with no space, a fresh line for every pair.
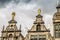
38,28
10,37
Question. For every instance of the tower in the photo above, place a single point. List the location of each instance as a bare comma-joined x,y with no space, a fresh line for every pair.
38,30
56,23
11,32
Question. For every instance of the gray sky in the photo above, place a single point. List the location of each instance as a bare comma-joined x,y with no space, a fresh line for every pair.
26,11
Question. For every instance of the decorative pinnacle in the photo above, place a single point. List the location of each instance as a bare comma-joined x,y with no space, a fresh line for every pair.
3,28
39,11
20,28
13,15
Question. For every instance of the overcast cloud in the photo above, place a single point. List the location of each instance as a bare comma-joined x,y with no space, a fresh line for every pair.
26,10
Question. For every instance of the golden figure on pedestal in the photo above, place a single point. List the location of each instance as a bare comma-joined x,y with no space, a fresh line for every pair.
13,15
39,11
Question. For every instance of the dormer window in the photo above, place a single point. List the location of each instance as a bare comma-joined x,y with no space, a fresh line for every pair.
38,28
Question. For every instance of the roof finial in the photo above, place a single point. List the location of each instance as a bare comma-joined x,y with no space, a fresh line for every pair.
39,11
13,15
3,28
20,28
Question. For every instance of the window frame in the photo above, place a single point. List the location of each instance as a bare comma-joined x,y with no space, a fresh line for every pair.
38,27
57,31
37,37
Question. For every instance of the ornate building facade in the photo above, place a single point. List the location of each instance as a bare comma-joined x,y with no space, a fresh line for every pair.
37,32
56,23
11,32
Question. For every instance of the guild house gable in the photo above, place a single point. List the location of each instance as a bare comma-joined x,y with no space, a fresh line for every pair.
38,24
38,30
12,32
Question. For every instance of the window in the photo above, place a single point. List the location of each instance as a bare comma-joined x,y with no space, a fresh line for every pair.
42,37
11,29
10,37
38,28
57,30
33,37
57,34
57,27
38,37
